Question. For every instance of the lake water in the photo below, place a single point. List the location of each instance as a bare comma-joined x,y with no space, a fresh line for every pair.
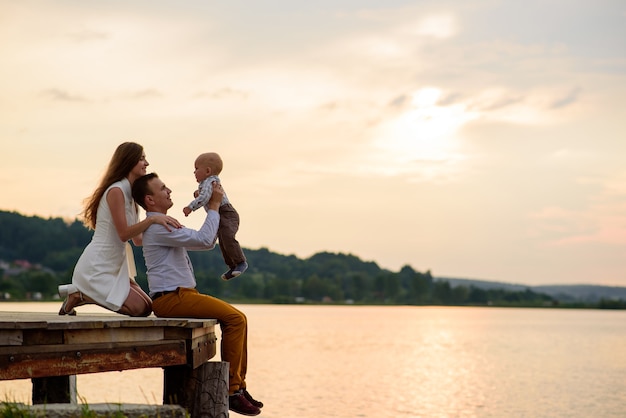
384,362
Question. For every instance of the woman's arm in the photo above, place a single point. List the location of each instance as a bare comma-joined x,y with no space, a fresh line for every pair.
115,199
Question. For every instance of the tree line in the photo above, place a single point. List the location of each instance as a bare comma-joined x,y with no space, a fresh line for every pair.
52,246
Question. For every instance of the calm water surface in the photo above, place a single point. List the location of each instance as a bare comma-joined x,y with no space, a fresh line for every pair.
383,362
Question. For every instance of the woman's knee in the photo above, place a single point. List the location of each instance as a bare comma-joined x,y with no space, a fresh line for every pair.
135,305
146,312
135,311
146,309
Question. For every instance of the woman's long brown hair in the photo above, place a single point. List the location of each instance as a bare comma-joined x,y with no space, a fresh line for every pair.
125,157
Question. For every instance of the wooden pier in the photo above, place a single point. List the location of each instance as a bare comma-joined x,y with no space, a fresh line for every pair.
50,349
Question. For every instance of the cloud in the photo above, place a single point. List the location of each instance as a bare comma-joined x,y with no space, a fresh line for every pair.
62,96
501,102
65,96
450,98
566,100
150,93
511,104
399,101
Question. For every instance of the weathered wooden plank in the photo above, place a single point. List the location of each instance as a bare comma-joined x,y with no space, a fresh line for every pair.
32,320
114,335
187,333
11,337
9,323
42,337
60,360
201,349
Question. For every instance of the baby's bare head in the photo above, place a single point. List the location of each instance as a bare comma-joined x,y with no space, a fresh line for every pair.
211,160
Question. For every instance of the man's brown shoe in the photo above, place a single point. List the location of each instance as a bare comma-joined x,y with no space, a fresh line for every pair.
250,399
239,404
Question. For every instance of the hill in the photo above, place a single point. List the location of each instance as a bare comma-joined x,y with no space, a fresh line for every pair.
37,254
584,293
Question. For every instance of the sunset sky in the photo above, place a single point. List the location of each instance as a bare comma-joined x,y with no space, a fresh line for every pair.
476,139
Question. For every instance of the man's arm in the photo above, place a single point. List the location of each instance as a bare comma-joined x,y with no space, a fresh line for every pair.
203,239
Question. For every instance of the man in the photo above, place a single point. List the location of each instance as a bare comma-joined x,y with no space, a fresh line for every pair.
172,282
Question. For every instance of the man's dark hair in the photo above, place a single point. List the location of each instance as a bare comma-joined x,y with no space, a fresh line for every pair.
141,189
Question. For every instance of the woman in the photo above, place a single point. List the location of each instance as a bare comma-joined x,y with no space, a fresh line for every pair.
105,270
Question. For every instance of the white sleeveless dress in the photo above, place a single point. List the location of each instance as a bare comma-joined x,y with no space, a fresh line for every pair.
105,268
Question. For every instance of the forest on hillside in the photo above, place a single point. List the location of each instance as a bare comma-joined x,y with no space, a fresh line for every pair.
37,254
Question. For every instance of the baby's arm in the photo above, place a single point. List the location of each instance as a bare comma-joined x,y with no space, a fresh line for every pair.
203,195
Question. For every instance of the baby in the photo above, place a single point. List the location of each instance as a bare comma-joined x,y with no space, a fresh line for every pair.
208,166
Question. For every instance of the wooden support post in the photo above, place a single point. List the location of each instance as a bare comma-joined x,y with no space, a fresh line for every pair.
54,389
202,391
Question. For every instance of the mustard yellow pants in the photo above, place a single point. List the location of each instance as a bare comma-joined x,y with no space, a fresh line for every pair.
189,303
